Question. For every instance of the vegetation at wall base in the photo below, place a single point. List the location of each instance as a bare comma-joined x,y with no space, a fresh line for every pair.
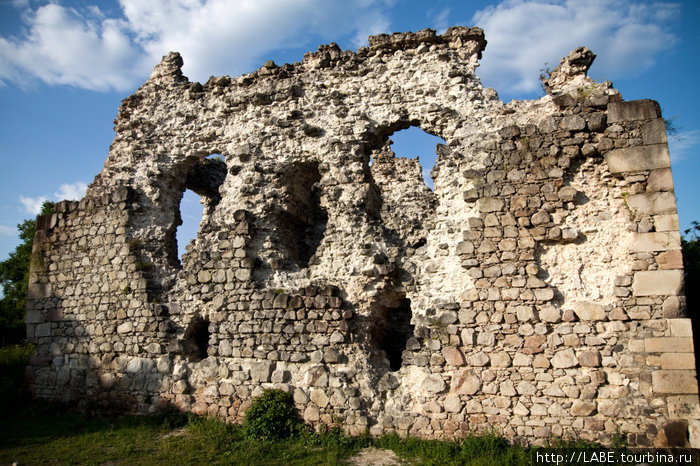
272,416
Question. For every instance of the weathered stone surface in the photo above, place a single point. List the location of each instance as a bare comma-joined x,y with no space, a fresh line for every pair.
589,359
683,407
489,204
633,110
671,307
39,291
453,356
680,327
666,222
668,345
588,311
652,203
564,359
672,434
670,361
583,408
433,383
654,132
466,383
660,180
674,381
657,282
638,158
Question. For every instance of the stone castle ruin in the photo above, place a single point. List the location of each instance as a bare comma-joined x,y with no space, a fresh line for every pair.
535,292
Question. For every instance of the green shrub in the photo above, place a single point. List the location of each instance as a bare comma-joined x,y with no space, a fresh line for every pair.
272,416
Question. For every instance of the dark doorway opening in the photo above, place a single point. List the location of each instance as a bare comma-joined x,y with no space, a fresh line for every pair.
196,340
393,329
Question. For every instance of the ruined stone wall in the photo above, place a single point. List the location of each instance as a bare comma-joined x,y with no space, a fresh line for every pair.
535,292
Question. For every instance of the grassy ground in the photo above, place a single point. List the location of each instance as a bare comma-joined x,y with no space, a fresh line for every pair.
32,433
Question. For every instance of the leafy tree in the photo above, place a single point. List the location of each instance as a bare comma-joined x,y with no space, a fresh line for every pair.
691,262
14,278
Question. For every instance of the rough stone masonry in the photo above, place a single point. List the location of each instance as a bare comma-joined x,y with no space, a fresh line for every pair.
535,292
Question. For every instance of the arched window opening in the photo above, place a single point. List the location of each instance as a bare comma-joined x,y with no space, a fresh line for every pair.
191,211
203,181
414,142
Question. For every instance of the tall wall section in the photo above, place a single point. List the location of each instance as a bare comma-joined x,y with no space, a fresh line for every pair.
536,291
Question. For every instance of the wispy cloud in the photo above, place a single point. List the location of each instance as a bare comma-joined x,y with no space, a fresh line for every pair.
523,35
684,144
71,192
88,49
7,231
440,19
32,205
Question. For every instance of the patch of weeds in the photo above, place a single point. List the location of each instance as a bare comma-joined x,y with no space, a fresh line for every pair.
272,416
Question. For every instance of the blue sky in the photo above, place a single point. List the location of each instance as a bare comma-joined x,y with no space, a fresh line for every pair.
66,65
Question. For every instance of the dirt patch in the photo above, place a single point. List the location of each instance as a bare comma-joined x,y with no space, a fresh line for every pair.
375,457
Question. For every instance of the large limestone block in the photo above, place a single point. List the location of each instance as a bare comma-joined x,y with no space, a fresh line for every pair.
654,132
660,180
652,203
668,345
655,241
683,407
666,222
644,109
680,327
678,361
38,291
638,158
674,381
657,282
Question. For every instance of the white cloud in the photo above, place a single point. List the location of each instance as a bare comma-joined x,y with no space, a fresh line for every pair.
32,205
87,49
71,192
440,20
523,35
64,46
7,231
684,144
